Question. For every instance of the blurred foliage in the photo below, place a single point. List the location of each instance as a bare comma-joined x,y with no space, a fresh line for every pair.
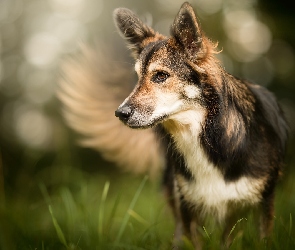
37,150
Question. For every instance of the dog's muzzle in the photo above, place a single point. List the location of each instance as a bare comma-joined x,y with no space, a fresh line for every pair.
124,113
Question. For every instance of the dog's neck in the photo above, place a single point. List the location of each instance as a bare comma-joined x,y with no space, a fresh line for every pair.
185,128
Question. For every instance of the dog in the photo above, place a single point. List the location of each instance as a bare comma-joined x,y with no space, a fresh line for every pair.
225,138
222,138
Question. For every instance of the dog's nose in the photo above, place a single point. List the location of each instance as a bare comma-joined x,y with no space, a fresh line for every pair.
123,113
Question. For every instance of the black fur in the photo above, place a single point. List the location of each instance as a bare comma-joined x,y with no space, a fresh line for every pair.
148,53
132,28
175,162
244,131
186,31
262,149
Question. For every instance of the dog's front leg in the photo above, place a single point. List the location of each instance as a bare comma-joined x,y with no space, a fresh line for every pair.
190,223
188,230
186,220
267,214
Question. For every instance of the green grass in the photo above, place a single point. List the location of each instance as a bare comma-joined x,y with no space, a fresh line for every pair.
67,208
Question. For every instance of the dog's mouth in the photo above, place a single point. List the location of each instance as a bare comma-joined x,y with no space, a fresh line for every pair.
138,120
135,119
144,124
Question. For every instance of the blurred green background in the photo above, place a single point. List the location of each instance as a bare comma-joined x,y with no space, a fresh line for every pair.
40,163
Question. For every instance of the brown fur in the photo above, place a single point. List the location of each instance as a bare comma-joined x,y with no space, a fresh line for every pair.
225,137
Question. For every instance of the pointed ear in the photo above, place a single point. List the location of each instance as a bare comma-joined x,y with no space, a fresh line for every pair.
132,29
187,32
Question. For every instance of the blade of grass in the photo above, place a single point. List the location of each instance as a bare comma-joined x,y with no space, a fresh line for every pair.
290,225
77,245
101,209
188,245
112,214
231,231
131,206
138,218
70,208
205,230
58,230
287,232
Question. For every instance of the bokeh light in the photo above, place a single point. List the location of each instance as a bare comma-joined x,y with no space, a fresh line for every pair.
210,6
37,86
68,8
35,35
248,37
42,49
32,127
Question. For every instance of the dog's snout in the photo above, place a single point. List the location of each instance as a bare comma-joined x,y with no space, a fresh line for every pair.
123,113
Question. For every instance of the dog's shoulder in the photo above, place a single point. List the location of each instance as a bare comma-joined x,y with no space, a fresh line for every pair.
268,107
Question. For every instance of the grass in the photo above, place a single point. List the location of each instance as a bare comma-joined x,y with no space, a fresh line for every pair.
82,210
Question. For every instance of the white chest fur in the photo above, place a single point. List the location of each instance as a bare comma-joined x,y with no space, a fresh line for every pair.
208,190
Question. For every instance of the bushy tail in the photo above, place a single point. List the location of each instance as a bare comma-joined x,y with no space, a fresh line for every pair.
91,89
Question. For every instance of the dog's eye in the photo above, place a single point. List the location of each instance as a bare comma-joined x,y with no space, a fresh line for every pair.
160,76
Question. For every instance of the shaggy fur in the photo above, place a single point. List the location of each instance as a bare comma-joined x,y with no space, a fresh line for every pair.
225,137
222,139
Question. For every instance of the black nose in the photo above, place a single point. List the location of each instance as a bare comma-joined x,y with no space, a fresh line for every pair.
123,113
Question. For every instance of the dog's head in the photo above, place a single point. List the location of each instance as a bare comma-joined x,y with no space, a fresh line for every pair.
170,71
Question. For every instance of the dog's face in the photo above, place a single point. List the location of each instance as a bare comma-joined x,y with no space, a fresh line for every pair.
169,70
165,86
